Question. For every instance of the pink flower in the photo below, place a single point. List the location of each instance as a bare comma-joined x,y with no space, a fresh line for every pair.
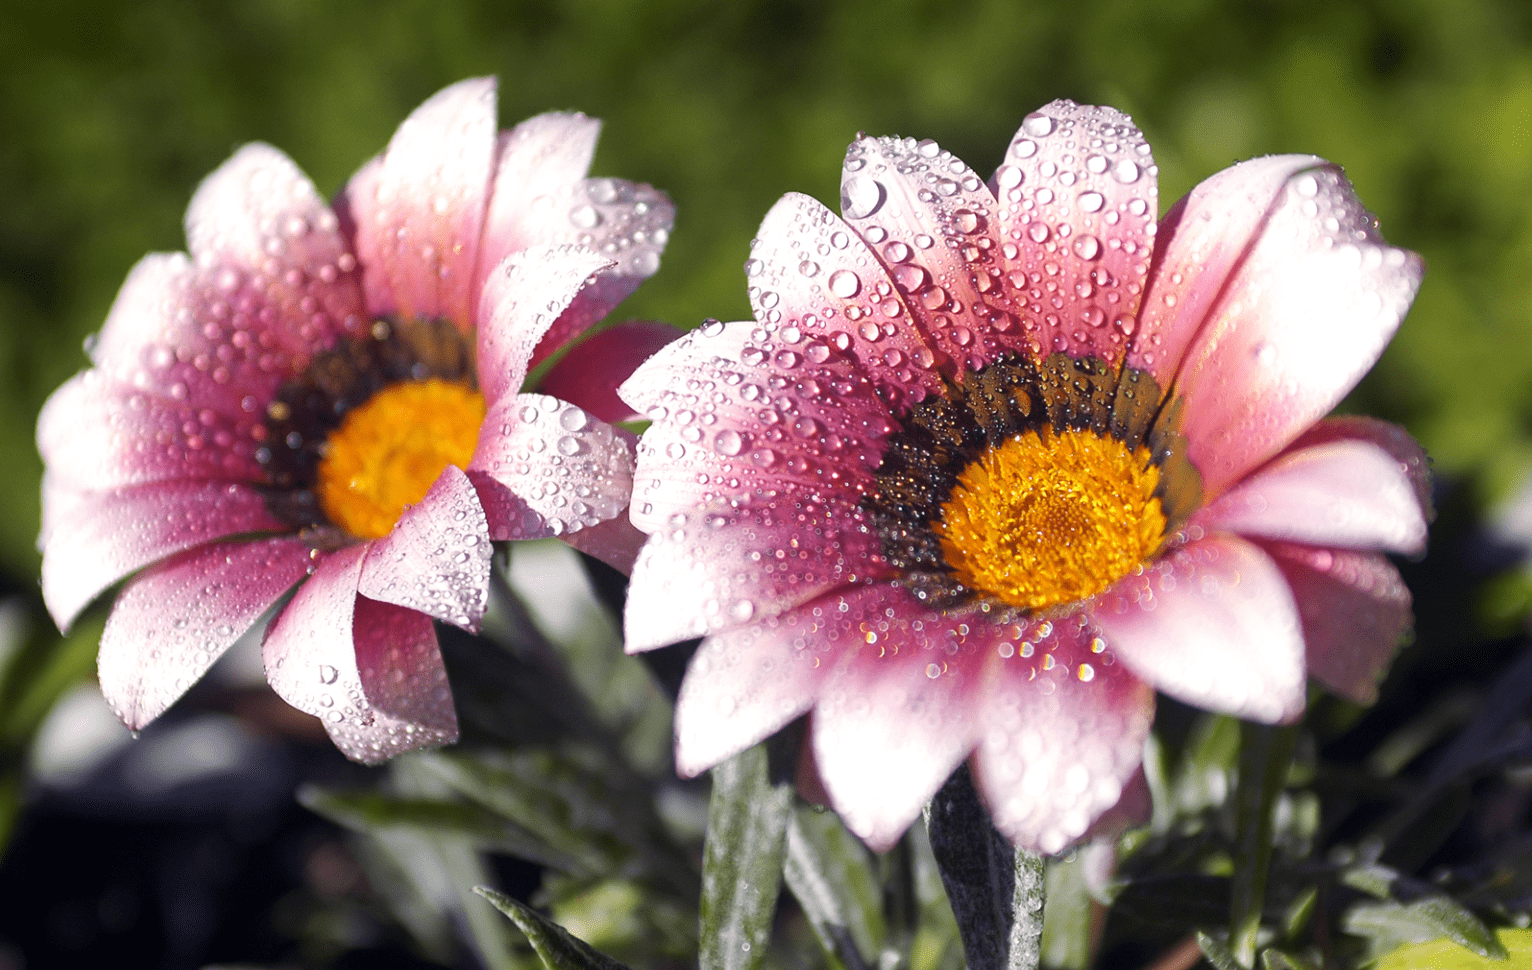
331,399
995,461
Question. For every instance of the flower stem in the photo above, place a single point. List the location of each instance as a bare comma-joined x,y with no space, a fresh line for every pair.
996,891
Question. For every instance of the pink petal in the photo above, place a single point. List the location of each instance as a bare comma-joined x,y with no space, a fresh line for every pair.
1393,439
1063,730
725,565
508,515
403,677
173,620
1339,493
810,275
747,682
209,338
418,225
259,216
1201,241
755,425
535,162
113,533
369,671
591,372
436,559
899,710
362,190
1355,610
1307,312
1211,623
1078,200
522,298
542,198
569,468
671,366
929,220
631,225
96,434
615,542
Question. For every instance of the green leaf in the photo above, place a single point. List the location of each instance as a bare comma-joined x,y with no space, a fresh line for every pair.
555,947
1217,952
996,891
1389,924
1445,955
1374,880
831,876
1266,754
567,805
742,858
1203,778
1272,959
1067,919
374,813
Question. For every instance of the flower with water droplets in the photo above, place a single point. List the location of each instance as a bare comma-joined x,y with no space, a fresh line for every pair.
997,459
332,399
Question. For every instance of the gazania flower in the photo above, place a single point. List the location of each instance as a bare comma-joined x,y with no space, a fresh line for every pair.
331,399
995,460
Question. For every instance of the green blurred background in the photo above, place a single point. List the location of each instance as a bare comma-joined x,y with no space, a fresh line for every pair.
111,112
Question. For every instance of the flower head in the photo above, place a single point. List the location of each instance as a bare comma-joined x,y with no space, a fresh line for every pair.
331,398
995,460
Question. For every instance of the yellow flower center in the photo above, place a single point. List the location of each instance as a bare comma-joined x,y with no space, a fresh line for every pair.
387,452
1043,519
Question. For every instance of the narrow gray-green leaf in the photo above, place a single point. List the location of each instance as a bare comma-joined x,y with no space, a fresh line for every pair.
374,813
742,858
1372,879
1392,924
831,876
1266,753
1217,952
1277,960
996,891
1066,921
554,945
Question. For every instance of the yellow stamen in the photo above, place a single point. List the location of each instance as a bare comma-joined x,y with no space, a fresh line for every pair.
386,453
1043,519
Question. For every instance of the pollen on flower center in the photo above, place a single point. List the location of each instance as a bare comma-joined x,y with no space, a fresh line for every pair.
1046,518
387,452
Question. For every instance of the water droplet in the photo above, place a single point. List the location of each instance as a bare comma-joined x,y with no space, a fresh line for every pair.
861,196
1038,232
896,252
328,674
808,268
570,446
585,217
729,442
1037,124
910,278
1126,171
573,419
1087,247
1091,201
845,284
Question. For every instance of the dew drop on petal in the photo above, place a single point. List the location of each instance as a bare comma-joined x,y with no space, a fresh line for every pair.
845,284
1037,124
729,442
861,196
